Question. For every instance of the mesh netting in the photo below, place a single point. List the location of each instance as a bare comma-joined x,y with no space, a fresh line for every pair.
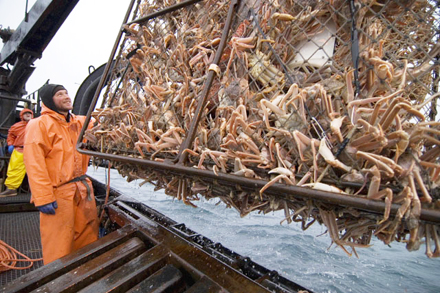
335,96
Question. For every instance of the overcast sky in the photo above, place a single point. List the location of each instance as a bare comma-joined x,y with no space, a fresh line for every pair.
85,38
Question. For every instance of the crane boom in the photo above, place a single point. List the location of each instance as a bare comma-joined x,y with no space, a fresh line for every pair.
24,46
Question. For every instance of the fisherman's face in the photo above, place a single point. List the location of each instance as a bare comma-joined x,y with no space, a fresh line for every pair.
27,116
62,101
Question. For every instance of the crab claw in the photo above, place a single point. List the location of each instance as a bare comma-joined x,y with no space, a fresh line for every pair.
335,126
328,156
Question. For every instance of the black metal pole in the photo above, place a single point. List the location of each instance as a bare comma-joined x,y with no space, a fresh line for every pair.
289,192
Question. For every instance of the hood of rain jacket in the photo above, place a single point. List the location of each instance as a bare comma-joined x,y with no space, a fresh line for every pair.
17,131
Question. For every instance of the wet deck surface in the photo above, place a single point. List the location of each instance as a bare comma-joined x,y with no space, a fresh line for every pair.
128,260
20,228
147,253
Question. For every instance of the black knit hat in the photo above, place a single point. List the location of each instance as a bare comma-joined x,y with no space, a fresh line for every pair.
46,94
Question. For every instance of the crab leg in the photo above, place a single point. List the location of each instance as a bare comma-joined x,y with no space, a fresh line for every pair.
328,156
427,198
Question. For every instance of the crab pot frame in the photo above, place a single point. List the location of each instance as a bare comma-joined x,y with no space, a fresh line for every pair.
324,109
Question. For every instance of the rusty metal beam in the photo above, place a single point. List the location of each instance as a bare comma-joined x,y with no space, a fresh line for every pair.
284,191
95,269
104,75
167,279
201,103
163,11
131,273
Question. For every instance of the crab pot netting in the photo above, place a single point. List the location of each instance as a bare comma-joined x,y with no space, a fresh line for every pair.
338,96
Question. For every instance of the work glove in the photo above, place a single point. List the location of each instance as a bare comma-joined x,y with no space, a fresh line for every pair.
10,149
48,208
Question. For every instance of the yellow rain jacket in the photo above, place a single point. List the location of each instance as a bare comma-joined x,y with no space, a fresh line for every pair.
52,162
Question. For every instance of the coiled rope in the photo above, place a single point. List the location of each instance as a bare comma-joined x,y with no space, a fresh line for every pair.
9,258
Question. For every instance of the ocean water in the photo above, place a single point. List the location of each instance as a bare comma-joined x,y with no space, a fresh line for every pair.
305,257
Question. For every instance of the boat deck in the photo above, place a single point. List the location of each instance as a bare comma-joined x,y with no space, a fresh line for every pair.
145,251
20,228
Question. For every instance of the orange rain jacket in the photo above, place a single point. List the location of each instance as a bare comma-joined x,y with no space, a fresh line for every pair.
51,161
16,132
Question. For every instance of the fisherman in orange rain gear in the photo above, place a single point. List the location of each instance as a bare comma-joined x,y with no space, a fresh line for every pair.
56,171
15,140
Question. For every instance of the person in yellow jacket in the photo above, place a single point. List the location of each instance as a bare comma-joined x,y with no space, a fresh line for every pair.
16,169
56,171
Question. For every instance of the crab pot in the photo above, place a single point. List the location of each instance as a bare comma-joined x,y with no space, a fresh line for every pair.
324,109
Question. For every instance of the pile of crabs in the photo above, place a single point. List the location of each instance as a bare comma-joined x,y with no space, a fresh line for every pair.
273,112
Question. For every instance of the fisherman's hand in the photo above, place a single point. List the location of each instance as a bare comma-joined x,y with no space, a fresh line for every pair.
48,208
10,149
